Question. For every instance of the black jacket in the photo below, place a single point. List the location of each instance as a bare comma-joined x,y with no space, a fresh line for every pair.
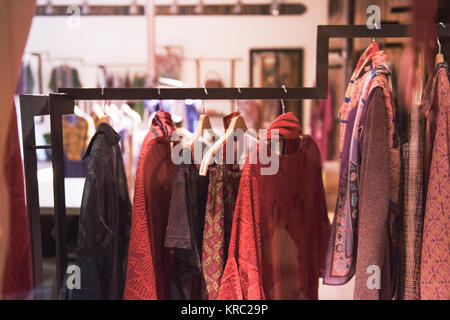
105,220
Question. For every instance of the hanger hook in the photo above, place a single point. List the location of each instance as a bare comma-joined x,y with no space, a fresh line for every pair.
437,38
439,45
203,102
237,100
376,27
104,101
159,95
283,107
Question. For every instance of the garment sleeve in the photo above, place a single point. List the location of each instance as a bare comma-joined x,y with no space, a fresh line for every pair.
90,228
140,280
178,239
178,231
374,202
322,213
241,279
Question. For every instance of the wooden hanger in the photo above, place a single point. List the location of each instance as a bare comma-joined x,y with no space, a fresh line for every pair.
126,109
203,124
237,123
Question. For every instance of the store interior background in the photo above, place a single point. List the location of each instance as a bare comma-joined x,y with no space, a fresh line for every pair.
217,46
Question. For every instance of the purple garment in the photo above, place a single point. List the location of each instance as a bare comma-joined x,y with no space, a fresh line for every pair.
351,243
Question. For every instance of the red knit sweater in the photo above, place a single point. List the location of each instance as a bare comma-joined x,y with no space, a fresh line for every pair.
280,225
148,261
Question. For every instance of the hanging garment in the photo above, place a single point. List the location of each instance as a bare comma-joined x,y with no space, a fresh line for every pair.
280,225
148,271
412,208
435,259
222,193
377,243
18,276
75,142
341,263
184,235
64,77
191,115
104,226
322,122
26,80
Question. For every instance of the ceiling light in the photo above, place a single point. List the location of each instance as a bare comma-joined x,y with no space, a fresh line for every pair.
174,7
85,8
199,8
275,8
133,8
49,8
237,8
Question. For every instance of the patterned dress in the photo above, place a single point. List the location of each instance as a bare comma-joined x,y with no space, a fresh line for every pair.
435,264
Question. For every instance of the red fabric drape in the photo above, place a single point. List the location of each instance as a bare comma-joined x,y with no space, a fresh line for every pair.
15,271
18,281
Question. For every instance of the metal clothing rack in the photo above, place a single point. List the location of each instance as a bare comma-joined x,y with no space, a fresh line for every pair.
58,104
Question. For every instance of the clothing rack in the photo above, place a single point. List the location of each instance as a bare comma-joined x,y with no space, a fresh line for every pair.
58,104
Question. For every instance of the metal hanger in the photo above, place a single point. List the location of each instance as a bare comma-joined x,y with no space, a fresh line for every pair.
237,100
283,107
376,27
104,101
439,55
160,100
203,101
